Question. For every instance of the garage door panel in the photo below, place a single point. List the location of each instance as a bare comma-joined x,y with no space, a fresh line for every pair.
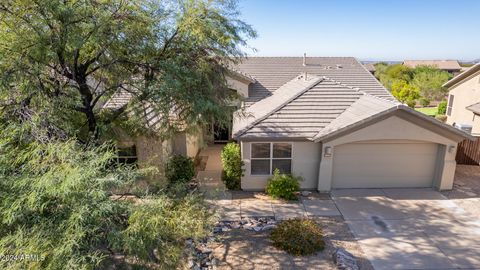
383,165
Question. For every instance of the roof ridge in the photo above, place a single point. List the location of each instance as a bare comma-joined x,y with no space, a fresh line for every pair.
249,126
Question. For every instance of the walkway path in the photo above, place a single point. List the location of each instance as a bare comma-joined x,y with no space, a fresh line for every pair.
210,180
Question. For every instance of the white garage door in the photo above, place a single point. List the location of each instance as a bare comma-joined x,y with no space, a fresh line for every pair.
384,165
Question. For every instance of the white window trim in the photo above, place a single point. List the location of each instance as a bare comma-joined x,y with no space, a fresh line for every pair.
271,157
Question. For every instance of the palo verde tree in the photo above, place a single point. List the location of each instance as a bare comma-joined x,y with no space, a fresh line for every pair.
59,61
65,58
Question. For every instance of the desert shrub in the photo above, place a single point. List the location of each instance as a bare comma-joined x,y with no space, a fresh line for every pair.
298,237
157,229
442,107
283,186
179,169
57,204
424,101
442,118
232,165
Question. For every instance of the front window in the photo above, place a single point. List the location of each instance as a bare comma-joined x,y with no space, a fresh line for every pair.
266,157
450,105
127,155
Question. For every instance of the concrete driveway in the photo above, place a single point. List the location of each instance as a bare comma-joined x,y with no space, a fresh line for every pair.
411,228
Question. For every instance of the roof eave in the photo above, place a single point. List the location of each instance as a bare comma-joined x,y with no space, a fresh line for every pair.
462,76
387,113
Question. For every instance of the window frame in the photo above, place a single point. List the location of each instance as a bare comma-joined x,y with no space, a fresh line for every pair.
451,99
271,158
120,157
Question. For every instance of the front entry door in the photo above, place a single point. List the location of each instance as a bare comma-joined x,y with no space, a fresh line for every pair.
221,134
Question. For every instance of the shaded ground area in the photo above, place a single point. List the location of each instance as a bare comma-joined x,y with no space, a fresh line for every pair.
244,249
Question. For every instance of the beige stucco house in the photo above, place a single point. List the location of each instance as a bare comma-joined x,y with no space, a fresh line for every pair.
463,109
326,119
329,121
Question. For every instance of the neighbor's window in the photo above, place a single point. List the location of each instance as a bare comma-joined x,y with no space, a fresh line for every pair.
127,155
266,157
450,105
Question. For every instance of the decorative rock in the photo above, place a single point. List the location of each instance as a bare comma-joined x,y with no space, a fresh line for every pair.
306,193
268,227
345,260
257,228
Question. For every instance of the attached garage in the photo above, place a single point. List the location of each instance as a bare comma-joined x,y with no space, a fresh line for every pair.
384,164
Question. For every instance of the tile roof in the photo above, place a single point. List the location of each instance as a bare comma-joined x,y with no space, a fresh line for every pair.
370,67
252,115
366,106
272,72
440,64
325,106
475,108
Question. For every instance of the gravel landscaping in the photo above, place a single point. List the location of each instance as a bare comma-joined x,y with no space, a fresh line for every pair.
249,247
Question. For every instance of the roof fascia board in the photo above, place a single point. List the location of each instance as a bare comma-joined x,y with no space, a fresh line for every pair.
466,75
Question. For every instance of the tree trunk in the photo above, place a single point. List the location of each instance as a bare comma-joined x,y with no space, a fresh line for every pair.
87,109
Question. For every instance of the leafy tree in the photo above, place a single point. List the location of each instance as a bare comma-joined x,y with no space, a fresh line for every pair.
405,92
59,61
389,74
66,57
429,81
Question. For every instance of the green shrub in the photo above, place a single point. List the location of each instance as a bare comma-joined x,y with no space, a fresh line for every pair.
424,101
441,118
158,228
283,186
179,169
442,107
232,165
298,237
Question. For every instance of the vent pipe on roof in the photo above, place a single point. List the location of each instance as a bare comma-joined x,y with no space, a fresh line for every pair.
304,75
304,59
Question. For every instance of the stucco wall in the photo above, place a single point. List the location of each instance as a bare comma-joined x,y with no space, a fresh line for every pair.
466,94
188,144
305,160
241,87
395,128
152,154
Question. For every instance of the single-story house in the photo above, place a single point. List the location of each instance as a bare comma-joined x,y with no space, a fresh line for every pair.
450,66
331,122
326,119
463,109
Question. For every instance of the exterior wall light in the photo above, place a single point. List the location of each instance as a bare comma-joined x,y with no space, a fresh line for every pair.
327,152
451,148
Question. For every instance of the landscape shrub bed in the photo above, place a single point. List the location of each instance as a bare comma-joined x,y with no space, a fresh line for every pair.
179,169
298,237
283,186
232,165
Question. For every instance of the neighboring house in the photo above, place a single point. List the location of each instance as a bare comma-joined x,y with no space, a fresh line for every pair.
451,66
331,122
370,67
463,107
326,119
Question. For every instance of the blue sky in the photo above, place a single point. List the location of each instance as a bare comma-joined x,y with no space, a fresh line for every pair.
368,30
